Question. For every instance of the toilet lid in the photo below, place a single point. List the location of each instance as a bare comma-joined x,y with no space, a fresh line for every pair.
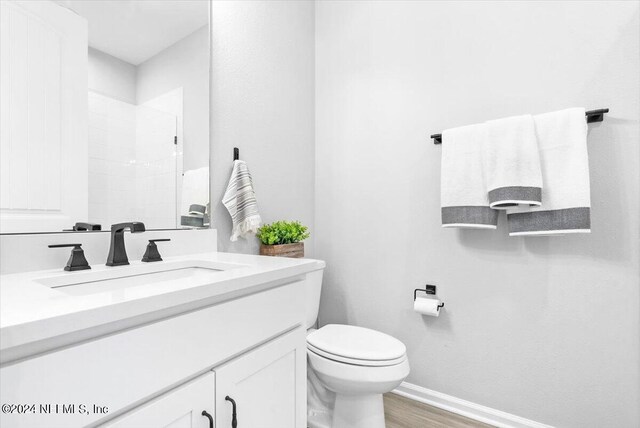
354,361
348,342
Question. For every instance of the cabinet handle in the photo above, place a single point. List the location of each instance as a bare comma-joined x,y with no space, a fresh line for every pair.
205,413
234,421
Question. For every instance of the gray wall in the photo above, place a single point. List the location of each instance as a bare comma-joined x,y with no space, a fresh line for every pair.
184,64
112,76
262,102
544,328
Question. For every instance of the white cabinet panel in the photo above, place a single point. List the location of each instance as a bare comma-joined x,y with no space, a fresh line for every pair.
179,408
118,370
43,117
268,385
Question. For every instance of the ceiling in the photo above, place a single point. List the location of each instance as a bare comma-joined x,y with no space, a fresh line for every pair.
136,30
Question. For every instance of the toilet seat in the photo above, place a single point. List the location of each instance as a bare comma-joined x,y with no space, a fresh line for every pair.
352,379
355,361
356,346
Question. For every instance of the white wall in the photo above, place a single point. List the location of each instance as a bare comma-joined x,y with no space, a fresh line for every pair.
262,102
544,328
112,76
184,64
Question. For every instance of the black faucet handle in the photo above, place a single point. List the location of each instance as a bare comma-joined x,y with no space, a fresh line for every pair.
77,260
152,254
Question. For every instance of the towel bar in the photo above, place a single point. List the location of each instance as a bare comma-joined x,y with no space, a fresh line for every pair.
592,116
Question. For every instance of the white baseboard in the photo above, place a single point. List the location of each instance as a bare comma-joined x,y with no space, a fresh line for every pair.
465,408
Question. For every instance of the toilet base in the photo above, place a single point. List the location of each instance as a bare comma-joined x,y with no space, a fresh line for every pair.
358,411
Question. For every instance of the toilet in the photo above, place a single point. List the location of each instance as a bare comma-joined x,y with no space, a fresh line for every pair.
349,368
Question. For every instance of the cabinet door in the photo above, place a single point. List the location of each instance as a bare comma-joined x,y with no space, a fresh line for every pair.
178,408
268,385
43,117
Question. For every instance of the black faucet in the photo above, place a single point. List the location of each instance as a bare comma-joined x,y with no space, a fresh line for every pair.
117,253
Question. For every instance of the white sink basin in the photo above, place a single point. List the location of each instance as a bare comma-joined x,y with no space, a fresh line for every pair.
160,275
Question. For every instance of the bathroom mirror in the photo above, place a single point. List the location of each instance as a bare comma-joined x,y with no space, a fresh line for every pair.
104,114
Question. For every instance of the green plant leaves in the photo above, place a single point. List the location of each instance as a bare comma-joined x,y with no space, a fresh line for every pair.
282,232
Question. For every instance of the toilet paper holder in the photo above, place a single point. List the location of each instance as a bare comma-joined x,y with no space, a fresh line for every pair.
428,289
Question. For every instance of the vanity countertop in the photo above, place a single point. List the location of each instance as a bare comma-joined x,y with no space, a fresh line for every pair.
32,312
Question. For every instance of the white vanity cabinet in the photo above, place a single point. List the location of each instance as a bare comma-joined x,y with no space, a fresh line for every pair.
164,373
267,385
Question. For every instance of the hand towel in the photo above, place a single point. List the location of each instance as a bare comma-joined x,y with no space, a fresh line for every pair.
566,200
240,201
513,163
195,188
463,192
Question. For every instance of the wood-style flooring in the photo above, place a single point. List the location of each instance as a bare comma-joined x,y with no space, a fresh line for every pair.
401,412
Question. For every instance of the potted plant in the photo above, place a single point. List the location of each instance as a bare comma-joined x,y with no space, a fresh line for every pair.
282,239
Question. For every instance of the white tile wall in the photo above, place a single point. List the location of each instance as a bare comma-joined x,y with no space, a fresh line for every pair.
156,166
132,163
172,102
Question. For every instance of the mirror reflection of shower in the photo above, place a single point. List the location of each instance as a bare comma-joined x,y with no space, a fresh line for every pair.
116,95
135,160
148,115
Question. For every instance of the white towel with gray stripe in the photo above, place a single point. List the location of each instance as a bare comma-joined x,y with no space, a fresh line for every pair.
240,201
463,192
566,200
514,176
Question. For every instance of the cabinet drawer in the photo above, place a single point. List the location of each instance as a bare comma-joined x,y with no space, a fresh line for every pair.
125,369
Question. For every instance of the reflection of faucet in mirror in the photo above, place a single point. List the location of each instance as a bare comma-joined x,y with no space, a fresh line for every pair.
117,253
81,227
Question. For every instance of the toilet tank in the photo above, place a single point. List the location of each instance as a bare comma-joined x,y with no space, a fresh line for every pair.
313,285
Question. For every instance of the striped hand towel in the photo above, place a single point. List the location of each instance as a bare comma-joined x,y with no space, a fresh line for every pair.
240,201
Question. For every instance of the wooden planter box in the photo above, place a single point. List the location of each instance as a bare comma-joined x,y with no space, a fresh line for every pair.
285,250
